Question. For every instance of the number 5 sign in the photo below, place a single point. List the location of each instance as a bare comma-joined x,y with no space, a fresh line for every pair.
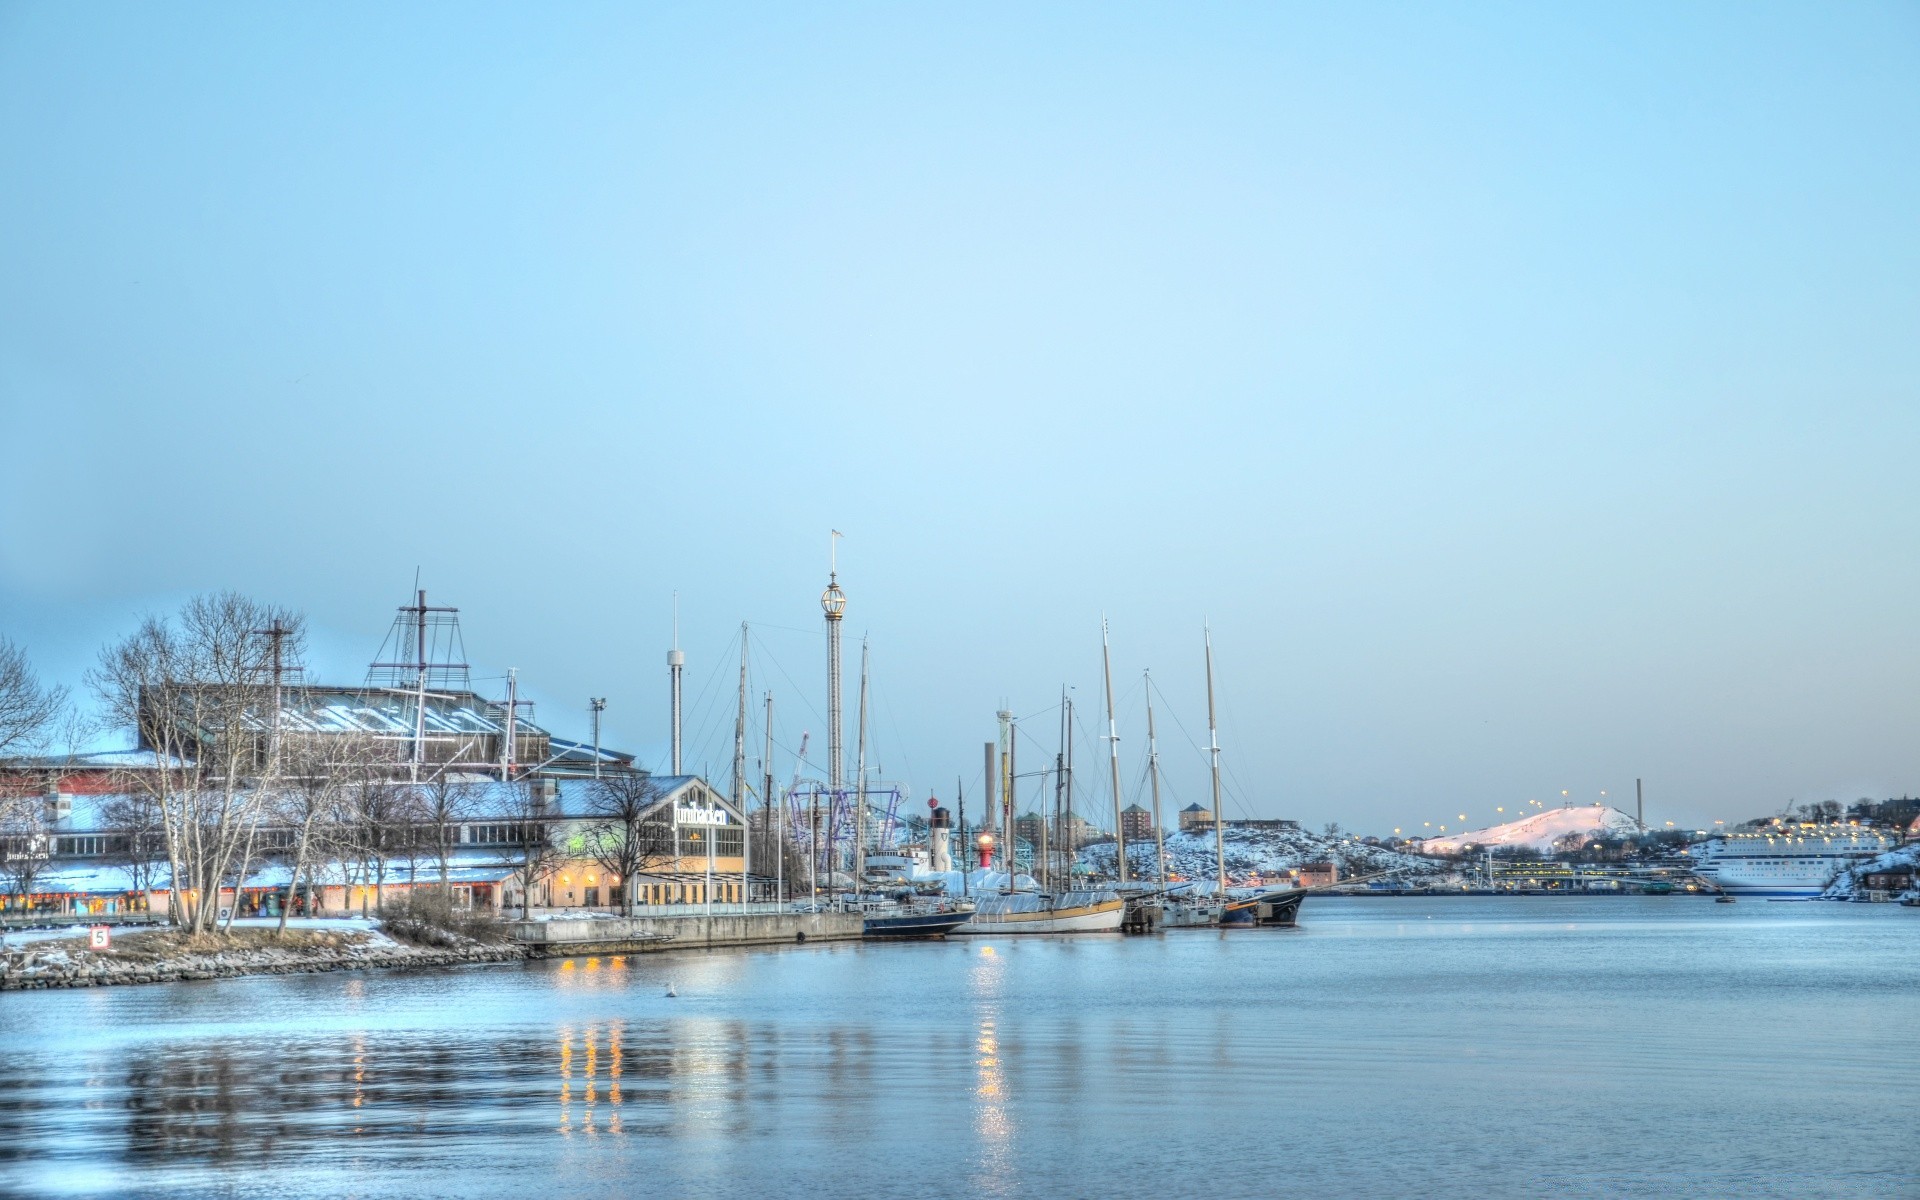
100,937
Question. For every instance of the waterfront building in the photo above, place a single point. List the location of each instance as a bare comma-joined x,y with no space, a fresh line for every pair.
1196,818
1137,823
1321,874
694,839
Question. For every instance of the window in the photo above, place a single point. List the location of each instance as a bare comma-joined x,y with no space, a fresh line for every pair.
505,834
87,845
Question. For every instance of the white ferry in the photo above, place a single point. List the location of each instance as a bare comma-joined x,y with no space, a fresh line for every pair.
1785,860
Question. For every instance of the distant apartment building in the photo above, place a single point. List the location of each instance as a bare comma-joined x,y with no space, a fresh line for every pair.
1194,817
1136,823
1319,874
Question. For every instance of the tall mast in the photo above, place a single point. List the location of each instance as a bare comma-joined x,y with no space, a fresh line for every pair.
990,819
738,792
1013,737
860,780
1153,773
834,602
1113,757
1005,835
420,685
1070,843
1213,752
513,710
960,802
778,821
740,768
676,663
1060,834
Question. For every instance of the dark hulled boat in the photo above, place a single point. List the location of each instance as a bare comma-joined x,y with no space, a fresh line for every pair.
923,923
1265,910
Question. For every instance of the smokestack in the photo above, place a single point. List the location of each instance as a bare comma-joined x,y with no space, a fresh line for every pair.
1639,806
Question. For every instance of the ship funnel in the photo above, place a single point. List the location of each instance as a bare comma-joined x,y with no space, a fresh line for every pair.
940,841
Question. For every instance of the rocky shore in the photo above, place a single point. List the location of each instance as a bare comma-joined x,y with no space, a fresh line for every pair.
62,965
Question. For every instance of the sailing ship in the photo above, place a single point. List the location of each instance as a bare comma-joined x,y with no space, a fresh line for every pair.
1094,911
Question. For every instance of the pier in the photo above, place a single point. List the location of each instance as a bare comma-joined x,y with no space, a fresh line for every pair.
726,925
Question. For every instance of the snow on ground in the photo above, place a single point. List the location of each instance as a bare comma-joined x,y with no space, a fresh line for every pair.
1266,851
1541,830
22,937
1848,883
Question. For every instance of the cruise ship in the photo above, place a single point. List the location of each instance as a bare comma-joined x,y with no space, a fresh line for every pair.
1785,860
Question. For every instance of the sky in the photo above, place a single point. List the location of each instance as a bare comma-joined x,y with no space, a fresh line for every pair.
1527,395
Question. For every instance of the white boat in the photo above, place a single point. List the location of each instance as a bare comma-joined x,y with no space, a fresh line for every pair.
1039,912
1785,860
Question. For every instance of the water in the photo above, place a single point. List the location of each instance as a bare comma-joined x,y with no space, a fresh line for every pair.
1506,1047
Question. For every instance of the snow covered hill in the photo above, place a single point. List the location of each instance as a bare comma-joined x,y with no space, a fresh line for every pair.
1541,830
1848,885
1262,851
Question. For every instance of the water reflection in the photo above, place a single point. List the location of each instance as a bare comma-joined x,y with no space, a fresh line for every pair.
993,1069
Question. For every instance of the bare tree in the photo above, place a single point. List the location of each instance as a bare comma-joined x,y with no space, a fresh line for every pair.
198,690
536,855
445,802
622,838
379,813
137,845
28,708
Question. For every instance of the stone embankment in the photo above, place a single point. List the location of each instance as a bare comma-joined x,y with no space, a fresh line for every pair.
64,968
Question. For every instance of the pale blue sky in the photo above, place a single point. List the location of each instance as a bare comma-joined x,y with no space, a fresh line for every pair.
1526,392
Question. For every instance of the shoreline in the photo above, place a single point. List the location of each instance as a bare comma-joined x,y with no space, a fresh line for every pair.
34,970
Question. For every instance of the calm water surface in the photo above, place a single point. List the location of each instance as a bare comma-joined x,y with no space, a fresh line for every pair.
1604,1046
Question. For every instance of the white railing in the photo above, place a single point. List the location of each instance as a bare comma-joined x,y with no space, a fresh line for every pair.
749,909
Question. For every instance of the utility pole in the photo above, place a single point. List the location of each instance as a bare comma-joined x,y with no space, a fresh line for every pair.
1113,756
596,705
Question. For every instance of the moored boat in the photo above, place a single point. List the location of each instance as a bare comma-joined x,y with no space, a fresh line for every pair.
917,921
1037,912
1279,909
